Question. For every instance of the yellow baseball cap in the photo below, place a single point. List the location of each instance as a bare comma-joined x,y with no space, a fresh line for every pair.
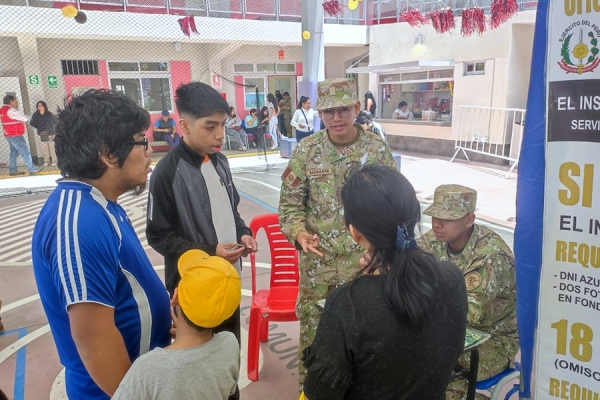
210,289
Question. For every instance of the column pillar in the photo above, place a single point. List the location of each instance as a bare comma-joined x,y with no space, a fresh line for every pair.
30,60
313,51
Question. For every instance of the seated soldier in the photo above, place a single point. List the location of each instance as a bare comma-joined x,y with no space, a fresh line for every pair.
487,264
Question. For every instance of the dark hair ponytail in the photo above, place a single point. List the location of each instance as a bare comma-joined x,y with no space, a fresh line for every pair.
272,100
382,205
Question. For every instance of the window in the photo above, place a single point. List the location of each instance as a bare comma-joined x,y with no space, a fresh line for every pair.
128,87
250,92
243,67
154,66
123,66
286,67
476,68
389,78
447,73
414,76
265,67
146,83
156,93
80,67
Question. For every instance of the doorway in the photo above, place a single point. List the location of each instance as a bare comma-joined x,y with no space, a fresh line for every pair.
284,84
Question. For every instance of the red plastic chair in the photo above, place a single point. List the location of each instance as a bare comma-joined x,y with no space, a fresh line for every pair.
278,303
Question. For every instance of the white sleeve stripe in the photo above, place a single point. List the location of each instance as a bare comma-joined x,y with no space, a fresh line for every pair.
76,245
59,248
67,244
144,310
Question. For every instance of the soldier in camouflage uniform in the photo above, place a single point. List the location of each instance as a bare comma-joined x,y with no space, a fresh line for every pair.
488,266
310,206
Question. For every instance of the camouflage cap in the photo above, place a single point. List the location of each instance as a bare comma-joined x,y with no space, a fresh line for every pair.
452,202
338,92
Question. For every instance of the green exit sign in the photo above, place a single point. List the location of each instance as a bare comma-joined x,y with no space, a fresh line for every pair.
52,82
34,81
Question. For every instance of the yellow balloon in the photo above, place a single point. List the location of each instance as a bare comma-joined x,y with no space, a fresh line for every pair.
353,5
306,35
69,11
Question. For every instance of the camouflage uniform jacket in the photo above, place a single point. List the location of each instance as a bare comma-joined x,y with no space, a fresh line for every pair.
488,266
311,201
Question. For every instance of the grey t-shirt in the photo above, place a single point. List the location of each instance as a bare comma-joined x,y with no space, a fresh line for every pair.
206,372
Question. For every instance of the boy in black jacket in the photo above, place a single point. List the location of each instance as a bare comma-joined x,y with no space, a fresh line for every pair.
193,202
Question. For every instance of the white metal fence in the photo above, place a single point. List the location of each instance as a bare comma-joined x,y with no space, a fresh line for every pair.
490,131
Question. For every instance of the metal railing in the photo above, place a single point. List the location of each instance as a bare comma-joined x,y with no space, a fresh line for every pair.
269,10
369,12
491,131
388,11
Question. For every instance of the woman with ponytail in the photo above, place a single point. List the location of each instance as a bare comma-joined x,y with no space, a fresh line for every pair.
397,330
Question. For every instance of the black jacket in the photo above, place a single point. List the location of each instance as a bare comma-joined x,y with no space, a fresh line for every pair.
179,214
43,122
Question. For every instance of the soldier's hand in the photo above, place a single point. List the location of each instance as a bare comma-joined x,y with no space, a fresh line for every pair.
309,243
230,251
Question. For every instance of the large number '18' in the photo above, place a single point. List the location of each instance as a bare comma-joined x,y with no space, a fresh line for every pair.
580,345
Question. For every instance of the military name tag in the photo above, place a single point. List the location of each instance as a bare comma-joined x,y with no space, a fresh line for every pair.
319,171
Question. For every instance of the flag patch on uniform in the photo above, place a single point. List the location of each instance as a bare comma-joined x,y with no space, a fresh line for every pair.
291,178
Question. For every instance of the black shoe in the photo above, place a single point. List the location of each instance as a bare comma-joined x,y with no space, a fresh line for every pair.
16,173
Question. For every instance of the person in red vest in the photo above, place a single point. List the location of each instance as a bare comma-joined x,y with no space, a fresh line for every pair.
13,122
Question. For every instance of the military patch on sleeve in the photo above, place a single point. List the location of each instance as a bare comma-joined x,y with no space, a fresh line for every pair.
291,178
473,280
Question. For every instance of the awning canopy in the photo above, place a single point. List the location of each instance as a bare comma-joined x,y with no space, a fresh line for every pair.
408,66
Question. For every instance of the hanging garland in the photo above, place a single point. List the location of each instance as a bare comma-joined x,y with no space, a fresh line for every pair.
442,20
187,25
501,11
413,17
473,21
333,7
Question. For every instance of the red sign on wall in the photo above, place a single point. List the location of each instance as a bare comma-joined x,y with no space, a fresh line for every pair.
216,80
281,54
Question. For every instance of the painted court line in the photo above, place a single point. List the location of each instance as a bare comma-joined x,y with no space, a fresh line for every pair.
24,341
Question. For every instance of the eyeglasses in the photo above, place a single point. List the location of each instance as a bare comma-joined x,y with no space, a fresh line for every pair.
344,112
144,142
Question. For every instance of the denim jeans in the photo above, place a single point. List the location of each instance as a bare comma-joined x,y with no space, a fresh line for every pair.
18,145
172,141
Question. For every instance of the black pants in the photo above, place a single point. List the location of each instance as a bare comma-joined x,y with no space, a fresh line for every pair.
233,325
254,133
282,127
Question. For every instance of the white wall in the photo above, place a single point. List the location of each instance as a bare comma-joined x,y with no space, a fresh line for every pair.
520,65
337,59
10,61
118,25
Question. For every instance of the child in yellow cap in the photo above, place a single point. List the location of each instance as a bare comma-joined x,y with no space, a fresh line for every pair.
199,364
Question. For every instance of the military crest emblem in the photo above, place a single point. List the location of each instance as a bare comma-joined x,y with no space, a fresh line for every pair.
579,53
